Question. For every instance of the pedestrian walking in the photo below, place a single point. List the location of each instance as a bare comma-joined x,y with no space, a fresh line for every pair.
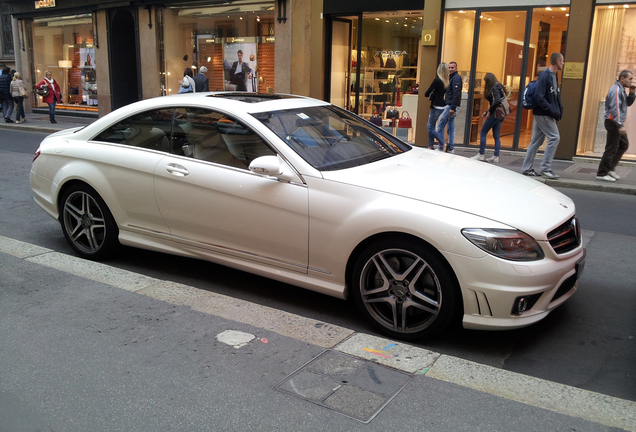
436,92
453,99
495,115
616,103
5,94
547,112
18,93
53,96
201,82
187,85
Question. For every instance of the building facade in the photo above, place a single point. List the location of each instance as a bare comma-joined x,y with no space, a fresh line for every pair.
363,55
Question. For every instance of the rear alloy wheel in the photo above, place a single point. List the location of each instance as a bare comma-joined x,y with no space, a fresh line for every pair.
405,289
87,223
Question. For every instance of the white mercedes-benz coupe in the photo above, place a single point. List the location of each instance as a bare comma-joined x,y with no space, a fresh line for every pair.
304,192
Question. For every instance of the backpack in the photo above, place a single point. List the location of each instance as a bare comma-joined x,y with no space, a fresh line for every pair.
528,101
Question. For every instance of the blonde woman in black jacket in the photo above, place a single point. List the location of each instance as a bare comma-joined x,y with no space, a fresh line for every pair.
495,93
436,92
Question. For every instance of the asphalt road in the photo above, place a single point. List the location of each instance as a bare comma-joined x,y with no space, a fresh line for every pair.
590,342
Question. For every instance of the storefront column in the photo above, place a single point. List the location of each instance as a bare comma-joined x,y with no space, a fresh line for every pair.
576,49
101,66
300,49
149,53
428,67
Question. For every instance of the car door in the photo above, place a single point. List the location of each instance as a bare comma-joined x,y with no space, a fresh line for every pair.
130,151
213,203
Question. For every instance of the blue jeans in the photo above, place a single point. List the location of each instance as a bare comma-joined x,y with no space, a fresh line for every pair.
52,111
542,127
494,124
432,133
7,107
448,120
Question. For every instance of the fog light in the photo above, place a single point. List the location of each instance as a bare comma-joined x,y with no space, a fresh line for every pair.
524,303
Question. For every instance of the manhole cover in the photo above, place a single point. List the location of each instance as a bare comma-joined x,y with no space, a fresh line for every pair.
357,388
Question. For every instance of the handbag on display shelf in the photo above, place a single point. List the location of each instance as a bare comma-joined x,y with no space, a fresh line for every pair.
390,63
376,119
392,113
405,121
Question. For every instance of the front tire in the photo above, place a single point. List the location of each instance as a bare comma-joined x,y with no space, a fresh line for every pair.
405,289
88,225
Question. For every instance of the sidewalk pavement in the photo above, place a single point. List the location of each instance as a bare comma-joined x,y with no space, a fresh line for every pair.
579,173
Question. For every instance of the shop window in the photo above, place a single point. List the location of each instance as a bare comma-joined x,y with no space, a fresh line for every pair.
457,46
212,36
612,49
64,45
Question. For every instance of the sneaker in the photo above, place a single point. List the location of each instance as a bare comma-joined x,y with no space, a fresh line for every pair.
493,159
606,177
613,175
550,174
451,151
479,157
8,120
530,173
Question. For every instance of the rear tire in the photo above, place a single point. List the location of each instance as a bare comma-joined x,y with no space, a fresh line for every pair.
405,289
88,225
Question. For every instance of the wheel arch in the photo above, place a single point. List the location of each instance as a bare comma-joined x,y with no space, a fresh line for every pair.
397,237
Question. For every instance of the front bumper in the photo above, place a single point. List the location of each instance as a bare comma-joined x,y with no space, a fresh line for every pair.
490,287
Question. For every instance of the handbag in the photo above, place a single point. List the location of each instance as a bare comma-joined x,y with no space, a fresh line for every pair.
23,92
390,63
43,91
376,119
503,109
392,113
405,121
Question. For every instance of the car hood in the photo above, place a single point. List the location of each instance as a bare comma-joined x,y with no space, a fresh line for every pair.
466,185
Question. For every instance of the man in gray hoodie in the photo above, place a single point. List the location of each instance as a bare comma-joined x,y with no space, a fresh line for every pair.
616,103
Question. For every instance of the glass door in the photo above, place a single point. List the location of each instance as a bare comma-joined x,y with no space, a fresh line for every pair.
341,59
500,52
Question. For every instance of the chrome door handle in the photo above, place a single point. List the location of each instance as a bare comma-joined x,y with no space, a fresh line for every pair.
177,170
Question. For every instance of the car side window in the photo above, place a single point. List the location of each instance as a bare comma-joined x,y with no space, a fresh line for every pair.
150,130
214,137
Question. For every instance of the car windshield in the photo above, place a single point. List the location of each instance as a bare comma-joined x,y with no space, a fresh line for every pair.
330,138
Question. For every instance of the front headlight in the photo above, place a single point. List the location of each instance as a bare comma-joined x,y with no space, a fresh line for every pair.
512,245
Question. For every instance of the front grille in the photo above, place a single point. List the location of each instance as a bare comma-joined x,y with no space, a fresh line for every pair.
566,237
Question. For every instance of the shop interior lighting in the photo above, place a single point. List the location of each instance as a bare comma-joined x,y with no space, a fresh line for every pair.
626,6
258,18
462,11
548,8
563,8
377,19
611,7
209,59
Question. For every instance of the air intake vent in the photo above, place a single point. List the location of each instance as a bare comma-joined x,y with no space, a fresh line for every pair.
566,237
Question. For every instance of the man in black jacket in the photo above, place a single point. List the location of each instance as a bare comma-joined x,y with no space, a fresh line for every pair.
452,99
5,94
240,72
201,82
546,113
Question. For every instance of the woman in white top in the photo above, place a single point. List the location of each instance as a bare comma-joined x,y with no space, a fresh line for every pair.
18,92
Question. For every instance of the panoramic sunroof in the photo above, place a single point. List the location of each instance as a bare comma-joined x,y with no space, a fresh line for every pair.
253,97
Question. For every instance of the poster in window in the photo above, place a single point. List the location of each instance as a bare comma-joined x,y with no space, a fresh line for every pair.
240,63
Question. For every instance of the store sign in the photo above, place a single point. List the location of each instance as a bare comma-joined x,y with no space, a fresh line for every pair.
429,37
391,53
39,4
573,70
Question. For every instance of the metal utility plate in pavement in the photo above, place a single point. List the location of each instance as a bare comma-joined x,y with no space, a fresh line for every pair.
354,387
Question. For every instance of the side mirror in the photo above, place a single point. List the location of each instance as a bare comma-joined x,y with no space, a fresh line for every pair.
266,165
273,166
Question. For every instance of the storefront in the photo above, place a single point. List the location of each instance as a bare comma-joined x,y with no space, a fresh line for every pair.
212,36
64,45
372,58
612,49
512,43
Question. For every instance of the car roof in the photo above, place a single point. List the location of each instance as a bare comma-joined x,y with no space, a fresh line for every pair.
247,102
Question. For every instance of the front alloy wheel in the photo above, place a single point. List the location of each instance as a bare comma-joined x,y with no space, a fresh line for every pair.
405,290
87,223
